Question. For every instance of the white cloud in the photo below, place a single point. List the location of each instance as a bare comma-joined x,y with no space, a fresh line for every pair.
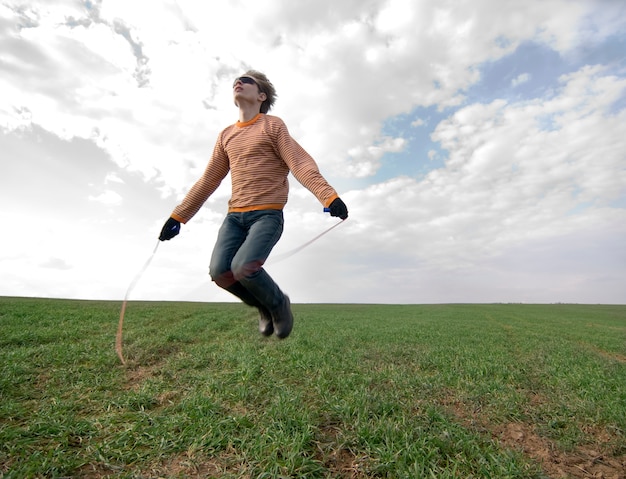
490,197
56,263
113,177
520,79
366,160
329,84
109,198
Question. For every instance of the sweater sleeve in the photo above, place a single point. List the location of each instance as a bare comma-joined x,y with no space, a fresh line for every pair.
302,165
215,172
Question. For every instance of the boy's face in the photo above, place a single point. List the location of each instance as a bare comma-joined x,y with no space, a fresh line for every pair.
247,88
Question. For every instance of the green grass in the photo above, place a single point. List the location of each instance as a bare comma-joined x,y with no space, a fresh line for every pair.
357,391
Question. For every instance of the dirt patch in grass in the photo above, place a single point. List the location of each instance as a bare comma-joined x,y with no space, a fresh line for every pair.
583,462
184,465
620,358
610,355
593,461
192,467
338,459
135,377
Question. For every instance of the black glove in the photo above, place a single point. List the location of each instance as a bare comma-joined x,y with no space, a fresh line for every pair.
170,229
338,208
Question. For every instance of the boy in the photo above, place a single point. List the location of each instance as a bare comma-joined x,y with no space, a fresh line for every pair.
259,152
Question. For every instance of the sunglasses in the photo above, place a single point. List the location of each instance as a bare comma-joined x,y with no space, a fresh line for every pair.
248,80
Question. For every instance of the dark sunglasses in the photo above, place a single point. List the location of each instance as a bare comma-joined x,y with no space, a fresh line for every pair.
248,80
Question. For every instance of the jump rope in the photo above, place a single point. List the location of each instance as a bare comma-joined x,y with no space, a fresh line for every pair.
133,283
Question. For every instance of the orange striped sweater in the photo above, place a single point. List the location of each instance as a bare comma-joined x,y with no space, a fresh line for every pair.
259,155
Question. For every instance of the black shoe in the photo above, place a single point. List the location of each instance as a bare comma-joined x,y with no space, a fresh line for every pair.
283,319
266,327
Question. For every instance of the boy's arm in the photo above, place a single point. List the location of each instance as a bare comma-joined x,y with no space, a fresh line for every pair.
303,166
215,172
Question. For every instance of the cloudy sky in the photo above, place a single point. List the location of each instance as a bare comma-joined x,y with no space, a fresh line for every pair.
479,145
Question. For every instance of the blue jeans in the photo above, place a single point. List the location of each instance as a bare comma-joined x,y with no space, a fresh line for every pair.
244,242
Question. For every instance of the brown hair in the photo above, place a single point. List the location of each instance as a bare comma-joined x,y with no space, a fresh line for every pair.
265,86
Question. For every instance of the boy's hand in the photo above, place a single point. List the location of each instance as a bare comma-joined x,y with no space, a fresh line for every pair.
170,229
338,208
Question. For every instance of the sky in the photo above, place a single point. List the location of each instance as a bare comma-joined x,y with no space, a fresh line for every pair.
478,144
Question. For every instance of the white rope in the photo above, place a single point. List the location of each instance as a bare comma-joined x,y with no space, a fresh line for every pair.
288,254
120,325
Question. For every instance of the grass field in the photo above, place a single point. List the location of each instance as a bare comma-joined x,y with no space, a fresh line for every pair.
441,391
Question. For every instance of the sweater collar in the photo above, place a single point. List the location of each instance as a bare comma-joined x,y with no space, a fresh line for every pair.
248,123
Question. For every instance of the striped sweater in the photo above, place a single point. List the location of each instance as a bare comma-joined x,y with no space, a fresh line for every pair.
259,154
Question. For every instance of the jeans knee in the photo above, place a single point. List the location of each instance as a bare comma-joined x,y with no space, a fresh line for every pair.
244,270
221,276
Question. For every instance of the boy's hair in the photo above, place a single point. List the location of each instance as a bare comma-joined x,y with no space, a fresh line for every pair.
265,86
